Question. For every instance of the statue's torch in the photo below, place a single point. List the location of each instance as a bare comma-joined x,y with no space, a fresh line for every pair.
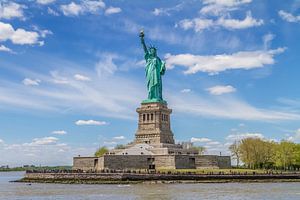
142,33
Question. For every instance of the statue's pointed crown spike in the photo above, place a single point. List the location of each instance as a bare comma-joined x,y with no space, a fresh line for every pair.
152,47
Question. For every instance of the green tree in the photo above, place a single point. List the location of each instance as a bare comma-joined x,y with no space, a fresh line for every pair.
297,156
267,150
285,155
256,153
248,151
259,153
101,151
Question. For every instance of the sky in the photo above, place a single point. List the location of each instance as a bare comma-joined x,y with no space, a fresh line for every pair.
72,73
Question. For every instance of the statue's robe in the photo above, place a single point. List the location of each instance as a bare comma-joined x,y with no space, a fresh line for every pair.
155,68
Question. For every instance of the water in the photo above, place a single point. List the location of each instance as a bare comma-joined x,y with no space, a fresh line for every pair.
222,191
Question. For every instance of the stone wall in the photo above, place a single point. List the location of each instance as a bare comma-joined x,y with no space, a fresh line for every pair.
68,176
164,161
85,163
123,162
154,125
206,161
185,162
224,162
102,177
212,161
100,165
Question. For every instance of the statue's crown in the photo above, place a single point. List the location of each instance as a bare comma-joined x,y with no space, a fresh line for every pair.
152,47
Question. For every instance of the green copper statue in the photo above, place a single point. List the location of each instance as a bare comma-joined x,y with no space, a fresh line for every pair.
155,68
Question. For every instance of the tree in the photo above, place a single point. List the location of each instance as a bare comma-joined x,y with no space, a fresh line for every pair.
260,153
255,152
285,155
235,152
297,156
247,151
101,151
120,146
268,149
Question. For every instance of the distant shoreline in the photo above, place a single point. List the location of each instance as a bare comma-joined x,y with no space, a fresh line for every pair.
19,169
130,178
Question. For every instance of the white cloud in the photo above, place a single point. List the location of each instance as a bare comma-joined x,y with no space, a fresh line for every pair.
121,137
233,137
295,137
167,11
42,151
113,96
186,90
248,22
157,11
221,89
71,9
106,65
109,96
31,82
211,147
92,6
193,139
80,77
42,141
218,63
52,12
288,16
110,144
112,10
44,2
19,36
85,6
221,7
212,143
59,132
43,33
200,24
161,33
226,107
4,48
1,141
58,79
90,122
11,10
267,40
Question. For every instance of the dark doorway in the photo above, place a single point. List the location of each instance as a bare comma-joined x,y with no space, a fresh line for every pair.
151,166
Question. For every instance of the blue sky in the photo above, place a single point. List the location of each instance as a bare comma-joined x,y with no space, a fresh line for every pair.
72,73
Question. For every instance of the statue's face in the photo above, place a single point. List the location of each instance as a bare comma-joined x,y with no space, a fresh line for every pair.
152,51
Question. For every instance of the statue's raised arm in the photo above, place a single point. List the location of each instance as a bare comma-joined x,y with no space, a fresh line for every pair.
142,35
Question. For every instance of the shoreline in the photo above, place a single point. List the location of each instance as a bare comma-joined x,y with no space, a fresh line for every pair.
94,182
132,178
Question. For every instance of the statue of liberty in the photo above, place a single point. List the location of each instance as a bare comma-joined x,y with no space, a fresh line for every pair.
155,68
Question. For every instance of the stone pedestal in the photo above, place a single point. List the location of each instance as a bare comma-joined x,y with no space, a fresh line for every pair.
154,125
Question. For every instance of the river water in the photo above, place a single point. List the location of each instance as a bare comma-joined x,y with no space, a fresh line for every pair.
224,191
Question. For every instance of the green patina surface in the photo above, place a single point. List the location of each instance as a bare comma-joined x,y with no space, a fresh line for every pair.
155,69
